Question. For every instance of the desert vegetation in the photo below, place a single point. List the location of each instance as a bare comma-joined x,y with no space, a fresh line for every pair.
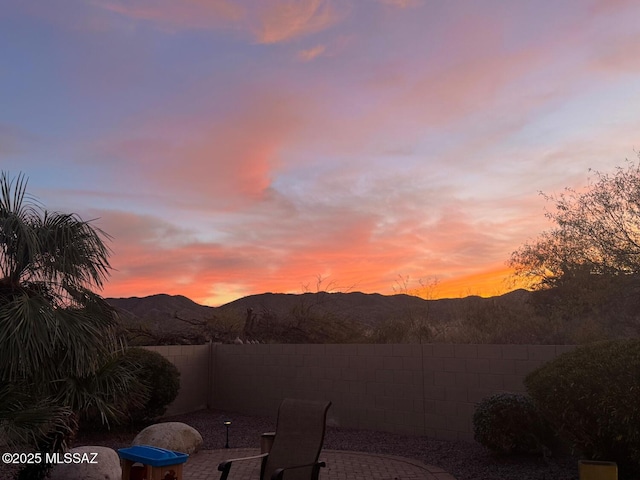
520,317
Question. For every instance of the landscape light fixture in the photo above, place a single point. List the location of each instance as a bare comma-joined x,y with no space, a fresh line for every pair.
226,424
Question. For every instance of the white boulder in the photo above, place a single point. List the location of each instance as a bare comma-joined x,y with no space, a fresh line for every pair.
175,436
87,463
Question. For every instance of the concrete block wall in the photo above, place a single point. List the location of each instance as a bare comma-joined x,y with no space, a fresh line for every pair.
193,363
369,386
419,389
459,376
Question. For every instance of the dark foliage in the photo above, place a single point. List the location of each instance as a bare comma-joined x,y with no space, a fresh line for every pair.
509,423
592,398
161,380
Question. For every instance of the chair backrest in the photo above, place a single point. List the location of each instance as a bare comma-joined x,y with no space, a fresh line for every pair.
299,436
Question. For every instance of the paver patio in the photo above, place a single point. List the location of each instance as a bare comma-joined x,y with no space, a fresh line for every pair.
341,465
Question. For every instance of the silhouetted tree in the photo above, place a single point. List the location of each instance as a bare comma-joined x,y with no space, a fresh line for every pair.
57,337
596,234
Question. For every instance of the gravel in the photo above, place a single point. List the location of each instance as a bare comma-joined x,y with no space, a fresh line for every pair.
463,460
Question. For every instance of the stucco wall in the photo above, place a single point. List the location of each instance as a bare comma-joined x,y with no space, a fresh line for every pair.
193,362
420,389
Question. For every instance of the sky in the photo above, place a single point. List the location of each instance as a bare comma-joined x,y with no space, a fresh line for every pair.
239,147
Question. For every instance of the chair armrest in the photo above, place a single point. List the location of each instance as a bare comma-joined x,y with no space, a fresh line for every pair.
278,473
266,441
225,466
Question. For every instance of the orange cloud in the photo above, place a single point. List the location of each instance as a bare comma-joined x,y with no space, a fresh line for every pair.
281,245
214,275
287,19
271,254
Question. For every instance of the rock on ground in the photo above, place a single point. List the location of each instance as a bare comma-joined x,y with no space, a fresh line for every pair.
82,466
175,436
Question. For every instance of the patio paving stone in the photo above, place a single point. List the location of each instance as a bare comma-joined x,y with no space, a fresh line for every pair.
341,465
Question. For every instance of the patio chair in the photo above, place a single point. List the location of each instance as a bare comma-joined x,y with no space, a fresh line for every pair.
297,443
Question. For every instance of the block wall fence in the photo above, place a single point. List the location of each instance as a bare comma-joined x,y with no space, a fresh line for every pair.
193,362
418,389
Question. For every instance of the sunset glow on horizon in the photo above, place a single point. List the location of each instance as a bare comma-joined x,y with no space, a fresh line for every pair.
233,148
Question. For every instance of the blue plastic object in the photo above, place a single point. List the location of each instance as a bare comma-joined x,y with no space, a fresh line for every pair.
154,456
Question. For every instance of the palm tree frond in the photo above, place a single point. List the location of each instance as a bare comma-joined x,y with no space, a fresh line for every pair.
26,419
28,330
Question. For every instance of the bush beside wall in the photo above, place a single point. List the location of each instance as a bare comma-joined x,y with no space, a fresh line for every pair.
591,396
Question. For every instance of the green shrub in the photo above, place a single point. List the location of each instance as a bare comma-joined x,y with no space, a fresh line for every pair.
591,395
161,380
509,423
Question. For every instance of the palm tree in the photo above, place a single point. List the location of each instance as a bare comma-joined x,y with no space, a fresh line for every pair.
58,340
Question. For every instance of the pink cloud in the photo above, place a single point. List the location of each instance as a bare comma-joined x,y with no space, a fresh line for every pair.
489,93
269,22
284,20
211,162
408,97
311,53
619,55
482,71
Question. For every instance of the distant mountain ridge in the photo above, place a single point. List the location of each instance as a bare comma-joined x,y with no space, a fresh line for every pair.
164,314
161,305
367,308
